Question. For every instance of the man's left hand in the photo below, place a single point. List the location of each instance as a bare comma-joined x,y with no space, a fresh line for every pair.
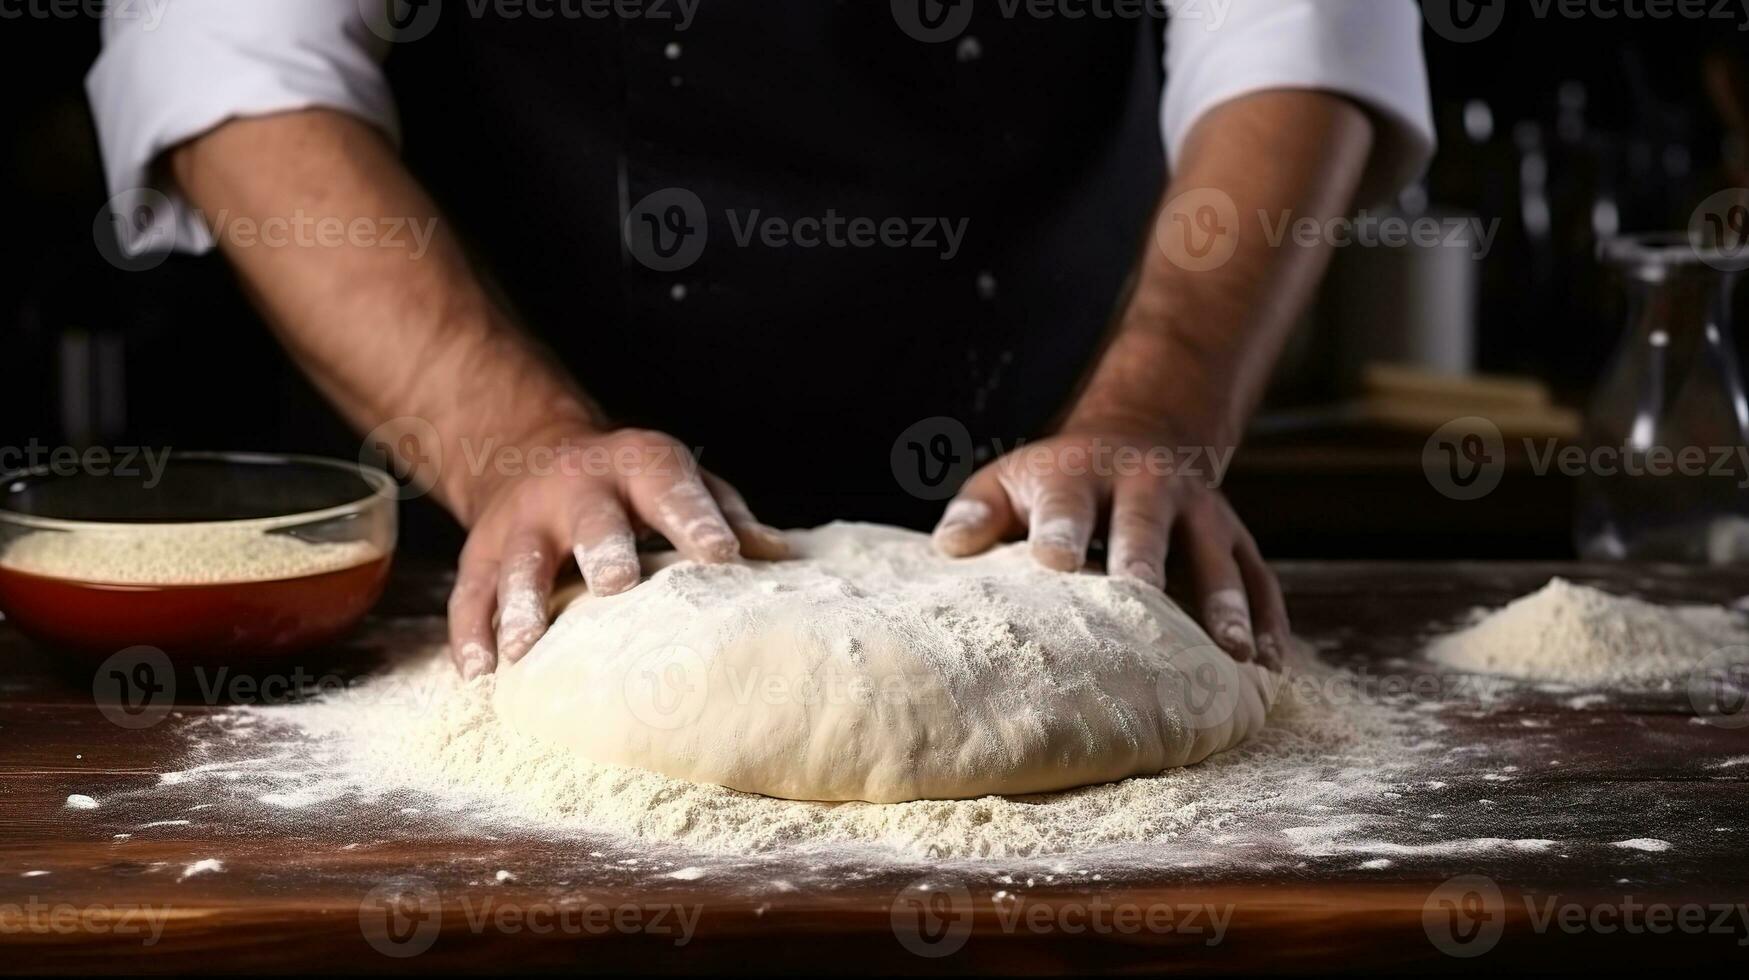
1155,498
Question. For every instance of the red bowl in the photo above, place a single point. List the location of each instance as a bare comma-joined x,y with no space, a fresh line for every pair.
220,556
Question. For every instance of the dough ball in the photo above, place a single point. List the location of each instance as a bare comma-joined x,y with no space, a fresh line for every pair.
871,668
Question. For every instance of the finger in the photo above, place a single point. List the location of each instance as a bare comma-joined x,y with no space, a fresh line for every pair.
525,579
1219,586
471,646
976,519
1060,523
758,541
683,511
1268,608
1141,524
606,549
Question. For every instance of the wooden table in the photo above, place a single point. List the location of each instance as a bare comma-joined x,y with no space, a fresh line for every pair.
302,900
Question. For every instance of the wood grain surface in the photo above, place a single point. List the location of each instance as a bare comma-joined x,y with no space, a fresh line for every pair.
117,890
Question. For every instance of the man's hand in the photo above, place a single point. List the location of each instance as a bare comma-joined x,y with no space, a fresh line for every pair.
602,490
1184,369
1155,505
387,335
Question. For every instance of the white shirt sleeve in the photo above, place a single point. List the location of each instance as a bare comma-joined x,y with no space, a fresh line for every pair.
1367,50
174,69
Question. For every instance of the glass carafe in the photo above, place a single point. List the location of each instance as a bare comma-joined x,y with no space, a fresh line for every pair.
1667,436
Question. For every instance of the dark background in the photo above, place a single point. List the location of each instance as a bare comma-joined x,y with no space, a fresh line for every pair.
1644,115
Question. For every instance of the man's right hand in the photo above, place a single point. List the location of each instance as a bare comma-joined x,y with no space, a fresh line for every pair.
600,492
386,333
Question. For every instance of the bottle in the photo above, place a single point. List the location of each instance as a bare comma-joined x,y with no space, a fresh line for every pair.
1666,438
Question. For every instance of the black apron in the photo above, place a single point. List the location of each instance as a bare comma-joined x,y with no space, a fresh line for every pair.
618,177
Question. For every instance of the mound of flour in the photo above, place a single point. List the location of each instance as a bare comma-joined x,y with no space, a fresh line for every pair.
1579,635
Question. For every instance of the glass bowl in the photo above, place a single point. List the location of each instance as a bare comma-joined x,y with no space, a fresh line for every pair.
215,555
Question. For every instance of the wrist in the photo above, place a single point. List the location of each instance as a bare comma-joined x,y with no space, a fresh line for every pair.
1147,387
1156,426
486,464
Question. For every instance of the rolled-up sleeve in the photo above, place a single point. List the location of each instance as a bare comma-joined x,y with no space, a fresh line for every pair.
172,70
1366,50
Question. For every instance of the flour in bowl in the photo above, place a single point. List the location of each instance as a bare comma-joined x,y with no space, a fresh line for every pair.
181,554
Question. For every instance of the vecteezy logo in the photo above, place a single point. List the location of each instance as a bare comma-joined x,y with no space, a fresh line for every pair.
1718,231
667,687
410,450
1198,230
932,458
135,230
667,230
1203,682
1719,688
400,21
1465,916
401,917
932,917
1463,21
933,21
1465,458
134,688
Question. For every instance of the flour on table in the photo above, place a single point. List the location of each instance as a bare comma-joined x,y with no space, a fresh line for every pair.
1652,844
870,667
202,867
1348,769
416,736
1579,635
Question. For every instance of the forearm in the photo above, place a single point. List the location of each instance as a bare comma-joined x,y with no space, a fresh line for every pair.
386,330
1194,347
